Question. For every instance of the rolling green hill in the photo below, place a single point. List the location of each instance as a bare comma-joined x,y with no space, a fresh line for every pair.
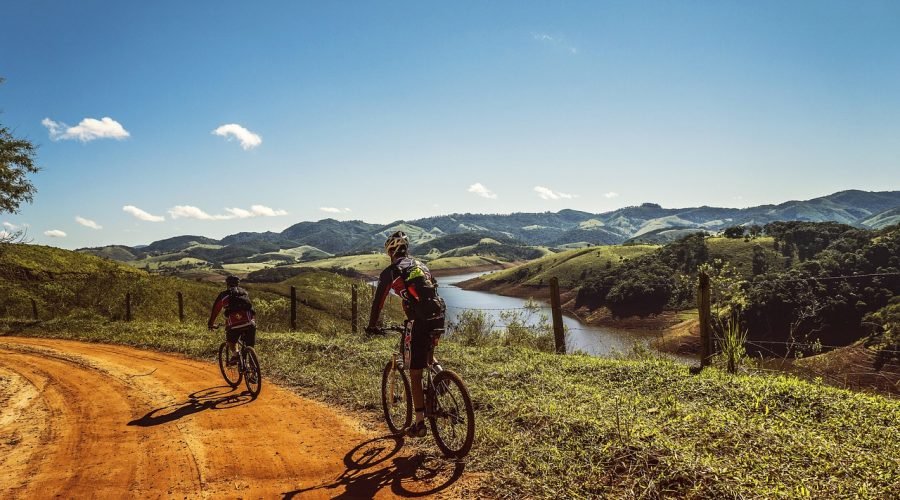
570,266
76,285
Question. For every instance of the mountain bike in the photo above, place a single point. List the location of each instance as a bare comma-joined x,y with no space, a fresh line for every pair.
448,407
246,368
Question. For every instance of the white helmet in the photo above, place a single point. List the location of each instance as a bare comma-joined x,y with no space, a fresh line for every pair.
396,243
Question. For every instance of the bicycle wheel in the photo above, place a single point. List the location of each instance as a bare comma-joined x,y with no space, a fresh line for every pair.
252,377
231,374
396,398
453,417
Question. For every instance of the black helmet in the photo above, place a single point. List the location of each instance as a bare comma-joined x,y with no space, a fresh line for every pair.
232,280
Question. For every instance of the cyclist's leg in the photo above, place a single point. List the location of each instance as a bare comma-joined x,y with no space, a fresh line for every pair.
231,338
420,348
250,336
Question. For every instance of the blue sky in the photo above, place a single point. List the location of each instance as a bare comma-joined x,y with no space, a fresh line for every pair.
395,110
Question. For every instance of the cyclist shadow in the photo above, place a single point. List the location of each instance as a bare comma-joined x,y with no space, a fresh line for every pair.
368,472
212,398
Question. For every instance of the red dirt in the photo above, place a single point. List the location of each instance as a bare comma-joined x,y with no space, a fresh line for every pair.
90,420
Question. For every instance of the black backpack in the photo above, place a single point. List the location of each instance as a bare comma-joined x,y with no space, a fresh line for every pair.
238,300
430,305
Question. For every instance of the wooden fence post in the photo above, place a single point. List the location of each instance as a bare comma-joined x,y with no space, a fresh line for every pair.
34,312
704,313
559,334
354,310
180,307
293,308
128,306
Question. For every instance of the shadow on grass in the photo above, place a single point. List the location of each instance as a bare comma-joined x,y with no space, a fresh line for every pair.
213,398
372,467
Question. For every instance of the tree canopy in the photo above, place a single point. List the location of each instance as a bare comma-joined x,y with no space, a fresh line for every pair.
16,163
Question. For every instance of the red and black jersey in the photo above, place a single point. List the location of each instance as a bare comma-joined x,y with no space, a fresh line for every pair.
411,280
238,310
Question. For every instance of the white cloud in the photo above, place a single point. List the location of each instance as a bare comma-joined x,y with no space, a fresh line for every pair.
248,139
335,210
10,226
555,40
55,233
549,194
479,189
88,130
192,212
87,222
611,194
4,235
142,215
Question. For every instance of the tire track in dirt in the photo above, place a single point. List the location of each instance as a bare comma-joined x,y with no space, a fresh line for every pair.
95,420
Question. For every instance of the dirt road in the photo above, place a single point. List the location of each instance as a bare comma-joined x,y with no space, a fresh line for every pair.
91,420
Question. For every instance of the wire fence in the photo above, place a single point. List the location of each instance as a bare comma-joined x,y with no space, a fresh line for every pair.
104,294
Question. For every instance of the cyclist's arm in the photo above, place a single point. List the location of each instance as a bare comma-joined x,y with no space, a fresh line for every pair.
221,302
381,295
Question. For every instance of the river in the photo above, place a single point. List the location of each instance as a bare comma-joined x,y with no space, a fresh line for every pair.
595,340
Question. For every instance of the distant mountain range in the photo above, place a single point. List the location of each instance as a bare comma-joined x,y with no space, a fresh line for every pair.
647,222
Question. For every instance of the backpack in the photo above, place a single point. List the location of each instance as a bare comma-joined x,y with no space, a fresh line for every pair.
238,300
430,306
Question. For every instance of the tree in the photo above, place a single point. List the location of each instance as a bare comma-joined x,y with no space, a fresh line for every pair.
16,162
734,232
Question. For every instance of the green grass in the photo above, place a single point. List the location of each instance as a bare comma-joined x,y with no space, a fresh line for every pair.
460,262
577,426
370,263
740,253
98,287
570,266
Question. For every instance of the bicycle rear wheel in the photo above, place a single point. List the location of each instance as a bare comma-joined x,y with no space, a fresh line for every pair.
253,376
396,398
231,374
453,417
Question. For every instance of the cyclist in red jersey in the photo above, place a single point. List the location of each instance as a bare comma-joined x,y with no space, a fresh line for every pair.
240,318
412,281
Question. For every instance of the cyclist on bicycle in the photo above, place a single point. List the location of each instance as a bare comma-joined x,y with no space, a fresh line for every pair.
413,282
239,316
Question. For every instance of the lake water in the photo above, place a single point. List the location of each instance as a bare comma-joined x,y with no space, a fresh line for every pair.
594,340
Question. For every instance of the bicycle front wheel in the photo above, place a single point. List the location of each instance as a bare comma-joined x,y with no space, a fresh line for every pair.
396,398
453,416
231,374
252,375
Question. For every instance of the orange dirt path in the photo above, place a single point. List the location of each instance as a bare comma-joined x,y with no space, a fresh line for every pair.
85,420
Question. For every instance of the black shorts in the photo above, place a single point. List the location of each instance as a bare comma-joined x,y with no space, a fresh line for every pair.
421,346
249,333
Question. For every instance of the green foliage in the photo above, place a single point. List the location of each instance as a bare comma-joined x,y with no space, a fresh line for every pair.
649,283
569,265
734,232
731,343
885,332
528,327
16,163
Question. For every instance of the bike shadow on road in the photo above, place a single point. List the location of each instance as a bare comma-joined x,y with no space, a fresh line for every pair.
373,466
212,398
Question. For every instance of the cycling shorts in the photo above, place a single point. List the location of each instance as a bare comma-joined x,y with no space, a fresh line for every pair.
249,333
425,335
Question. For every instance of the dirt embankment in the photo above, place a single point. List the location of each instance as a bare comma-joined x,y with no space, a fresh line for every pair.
88,420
